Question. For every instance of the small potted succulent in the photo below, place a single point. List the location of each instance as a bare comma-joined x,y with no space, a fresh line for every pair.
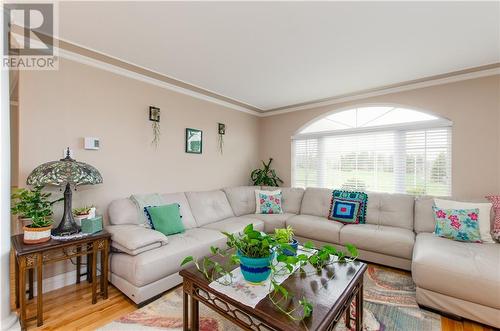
285,236
254,252
81,213
33,206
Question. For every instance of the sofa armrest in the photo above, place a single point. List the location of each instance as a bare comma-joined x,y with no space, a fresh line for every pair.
134,239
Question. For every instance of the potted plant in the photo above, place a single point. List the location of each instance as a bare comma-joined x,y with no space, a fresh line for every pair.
285,236
81,213
258,250
33,205
265,176
254,253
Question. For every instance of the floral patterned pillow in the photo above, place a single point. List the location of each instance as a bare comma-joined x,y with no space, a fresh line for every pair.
457,224
268,202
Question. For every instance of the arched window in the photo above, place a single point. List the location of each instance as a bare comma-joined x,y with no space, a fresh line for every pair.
385,149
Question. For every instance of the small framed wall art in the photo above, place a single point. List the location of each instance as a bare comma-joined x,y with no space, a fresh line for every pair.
194,141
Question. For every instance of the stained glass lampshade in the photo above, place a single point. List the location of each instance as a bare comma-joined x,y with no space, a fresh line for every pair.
65,172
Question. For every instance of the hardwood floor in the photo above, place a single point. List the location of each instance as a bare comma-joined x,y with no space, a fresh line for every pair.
70,308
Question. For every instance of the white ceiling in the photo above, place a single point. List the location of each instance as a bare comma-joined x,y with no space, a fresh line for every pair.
275,54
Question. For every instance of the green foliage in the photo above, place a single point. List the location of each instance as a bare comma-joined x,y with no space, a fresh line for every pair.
82,211
252,243
33,204
284,235
265,176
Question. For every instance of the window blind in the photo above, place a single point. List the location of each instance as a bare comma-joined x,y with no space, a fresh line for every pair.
396,161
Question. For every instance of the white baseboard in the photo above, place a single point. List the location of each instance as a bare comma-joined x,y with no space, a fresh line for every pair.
58,281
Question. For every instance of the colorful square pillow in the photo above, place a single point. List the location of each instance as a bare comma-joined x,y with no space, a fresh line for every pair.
359,197
344,211
457,224
268,202
166,219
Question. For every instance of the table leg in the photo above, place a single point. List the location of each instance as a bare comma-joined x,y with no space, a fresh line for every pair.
30,283
348,317
16,275
195,321
89,267
78,265
185,311
104,269
22,292
359,308
94,273
39,290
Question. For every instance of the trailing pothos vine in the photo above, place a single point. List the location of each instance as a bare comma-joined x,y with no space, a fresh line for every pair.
306,261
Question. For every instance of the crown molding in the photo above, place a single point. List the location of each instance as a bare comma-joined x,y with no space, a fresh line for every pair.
63,53
82,54
456,76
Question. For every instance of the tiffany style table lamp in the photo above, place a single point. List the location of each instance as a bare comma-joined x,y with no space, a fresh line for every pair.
65,172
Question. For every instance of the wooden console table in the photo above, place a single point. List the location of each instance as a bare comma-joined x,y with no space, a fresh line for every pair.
29,257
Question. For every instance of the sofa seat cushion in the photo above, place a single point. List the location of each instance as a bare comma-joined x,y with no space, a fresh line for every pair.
382,239
156,264
466,271
134,239
209,206
242,199
235,224
316,228
272,221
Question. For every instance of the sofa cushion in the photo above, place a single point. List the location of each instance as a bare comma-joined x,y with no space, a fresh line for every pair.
390,209
156,264
292,198
316,228
180,198
272,221
316,201
424,215
116,247
122,211
466,271
242,199
382,239
235,224
134,238
209,206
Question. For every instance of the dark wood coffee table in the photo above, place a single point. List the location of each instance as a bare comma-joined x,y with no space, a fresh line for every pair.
331,299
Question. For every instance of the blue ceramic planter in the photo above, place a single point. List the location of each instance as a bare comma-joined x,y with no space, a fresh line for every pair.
255,270
295,246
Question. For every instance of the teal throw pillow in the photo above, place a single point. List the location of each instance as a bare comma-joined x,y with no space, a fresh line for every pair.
457,224
350,196
166,218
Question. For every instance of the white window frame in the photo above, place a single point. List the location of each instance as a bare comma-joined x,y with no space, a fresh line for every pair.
440,122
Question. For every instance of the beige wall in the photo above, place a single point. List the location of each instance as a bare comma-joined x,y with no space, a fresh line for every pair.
472,105
59,108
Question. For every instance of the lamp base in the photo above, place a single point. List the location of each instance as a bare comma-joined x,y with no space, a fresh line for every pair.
67,226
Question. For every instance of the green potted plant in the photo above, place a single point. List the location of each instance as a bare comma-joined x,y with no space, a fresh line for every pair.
285,236
81,213
266,175
254,253
34,206
270,250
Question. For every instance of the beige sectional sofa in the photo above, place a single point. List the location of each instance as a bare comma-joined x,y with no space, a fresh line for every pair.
457,278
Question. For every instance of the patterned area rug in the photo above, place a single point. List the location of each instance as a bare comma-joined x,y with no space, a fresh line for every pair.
389,304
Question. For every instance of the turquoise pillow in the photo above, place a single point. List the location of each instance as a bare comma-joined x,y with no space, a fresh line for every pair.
166,218
457,224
